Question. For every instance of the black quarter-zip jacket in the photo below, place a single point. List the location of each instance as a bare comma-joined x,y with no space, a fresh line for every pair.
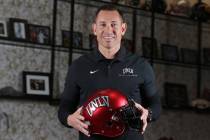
127,72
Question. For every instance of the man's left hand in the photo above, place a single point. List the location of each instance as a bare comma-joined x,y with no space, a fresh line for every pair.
144,115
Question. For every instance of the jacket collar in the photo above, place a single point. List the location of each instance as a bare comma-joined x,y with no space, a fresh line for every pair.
120,55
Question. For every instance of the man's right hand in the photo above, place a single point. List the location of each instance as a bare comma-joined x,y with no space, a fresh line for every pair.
76,120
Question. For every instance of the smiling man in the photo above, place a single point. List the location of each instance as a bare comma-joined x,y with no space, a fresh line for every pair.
109,66
109,29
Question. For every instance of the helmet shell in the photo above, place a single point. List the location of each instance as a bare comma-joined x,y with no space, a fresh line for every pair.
102,111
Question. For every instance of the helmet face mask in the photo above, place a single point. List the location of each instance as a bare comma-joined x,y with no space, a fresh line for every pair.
131,116
107,112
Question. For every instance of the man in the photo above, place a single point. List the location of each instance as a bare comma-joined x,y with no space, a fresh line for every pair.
109,66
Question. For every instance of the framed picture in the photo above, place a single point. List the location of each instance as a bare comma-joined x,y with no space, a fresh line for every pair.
128,44
206,54
169,52
92,41
176,95
3,29
189,56
36,84
147,47
39,34
18,29
77,39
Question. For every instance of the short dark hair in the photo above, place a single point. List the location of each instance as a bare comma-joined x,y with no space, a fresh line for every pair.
109,8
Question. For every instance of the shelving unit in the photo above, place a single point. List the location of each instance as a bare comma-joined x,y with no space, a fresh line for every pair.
134,12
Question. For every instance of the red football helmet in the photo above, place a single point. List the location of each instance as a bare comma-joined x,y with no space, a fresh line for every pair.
103,110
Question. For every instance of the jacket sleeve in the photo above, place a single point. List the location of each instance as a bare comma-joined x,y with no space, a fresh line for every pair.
70,96
151,98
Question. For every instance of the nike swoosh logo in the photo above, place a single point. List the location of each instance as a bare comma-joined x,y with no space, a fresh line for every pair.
94,71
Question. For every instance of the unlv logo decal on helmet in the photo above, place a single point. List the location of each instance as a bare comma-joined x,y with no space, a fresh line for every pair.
102,101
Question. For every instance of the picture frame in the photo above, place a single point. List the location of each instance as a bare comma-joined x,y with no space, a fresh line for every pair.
37,84
169,52
92,41
3,29
39,34
147,47
77,39
176,95
128,44
18,29
189,56
206,54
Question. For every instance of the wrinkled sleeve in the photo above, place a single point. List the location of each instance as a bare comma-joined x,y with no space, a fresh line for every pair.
151,98
70,96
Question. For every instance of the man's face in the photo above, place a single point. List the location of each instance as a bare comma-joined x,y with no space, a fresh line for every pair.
109,29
